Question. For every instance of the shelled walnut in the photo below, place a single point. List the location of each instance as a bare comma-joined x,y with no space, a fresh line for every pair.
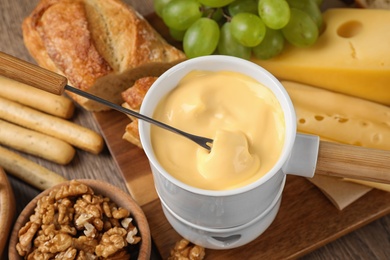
185,250
72,222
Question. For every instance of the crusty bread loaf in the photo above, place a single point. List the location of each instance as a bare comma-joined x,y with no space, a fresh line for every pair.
375,4
133,98
101,46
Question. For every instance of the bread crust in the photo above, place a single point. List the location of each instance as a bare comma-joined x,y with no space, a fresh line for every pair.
101,46
133,98
135,95
132,134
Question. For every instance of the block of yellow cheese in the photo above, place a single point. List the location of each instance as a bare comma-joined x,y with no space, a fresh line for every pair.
351,56
339,117
344,119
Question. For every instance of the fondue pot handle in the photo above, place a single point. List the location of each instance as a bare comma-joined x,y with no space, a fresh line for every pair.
303,157
310,156
354,162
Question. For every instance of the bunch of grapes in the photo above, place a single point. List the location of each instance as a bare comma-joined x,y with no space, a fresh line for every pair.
241,28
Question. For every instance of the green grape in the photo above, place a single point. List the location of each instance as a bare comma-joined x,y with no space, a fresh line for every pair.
176,34
201,38
301,30
275,13
242,6
159,6
270,46
215,3
228,45
213,13
248,29
310,7
179,15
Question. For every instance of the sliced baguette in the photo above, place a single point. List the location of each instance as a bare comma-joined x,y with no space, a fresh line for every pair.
101,46
133,98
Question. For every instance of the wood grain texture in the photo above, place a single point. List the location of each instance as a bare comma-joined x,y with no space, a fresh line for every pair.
130,159
370,241
7,210
30,74
354,162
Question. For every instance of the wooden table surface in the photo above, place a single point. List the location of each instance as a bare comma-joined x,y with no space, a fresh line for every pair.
369,242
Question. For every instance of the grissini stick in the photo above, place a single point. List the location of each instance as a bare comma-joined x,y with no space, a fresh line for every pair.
55,105
334,159
28,171
48,81
35,143
60,128
54,83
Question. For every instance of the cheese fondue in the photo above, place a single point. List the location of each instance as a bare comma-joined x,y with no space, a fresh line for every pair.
243,117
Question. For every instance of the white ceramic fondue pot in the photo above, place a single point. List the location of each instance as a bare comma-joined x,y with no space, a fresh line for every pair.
228,218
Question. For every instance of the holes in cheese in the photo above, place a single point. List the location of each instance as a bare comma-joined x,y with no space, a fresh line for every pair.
339,117
351,56
349,29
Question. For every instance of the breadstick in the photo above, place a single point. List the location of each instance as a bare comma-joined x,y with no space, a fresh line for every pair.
72,133
28,171
60,106
35,143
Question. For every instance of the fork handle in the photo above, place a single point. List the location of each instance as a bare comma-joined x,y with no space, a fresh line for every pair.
31,74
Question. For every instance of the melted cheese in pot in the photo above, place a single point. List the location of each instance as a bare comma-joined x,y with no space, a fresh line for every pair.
243,117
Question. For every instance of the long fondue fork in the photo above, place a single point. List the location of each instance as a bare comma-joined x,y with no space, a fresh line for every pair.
49,81
339,160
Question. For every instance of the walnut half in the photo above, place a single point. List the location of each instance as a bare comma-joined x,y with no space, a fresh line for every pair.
73,222
185,250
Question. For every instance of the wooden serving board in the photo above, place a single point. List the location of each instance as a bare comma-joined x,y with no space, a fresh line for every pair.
306,220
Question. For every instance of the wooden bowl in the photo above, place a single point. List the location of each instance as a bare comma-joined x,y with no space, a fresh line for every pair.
7,210
118,196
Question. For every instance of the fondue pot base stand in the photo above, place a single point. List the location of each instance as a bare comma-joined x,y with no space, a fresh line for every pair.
225,238
306,219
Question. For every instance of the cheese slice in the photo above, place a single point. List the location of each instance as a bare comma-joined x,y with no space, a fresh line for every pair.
340,117
351,56
344,119
376,185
